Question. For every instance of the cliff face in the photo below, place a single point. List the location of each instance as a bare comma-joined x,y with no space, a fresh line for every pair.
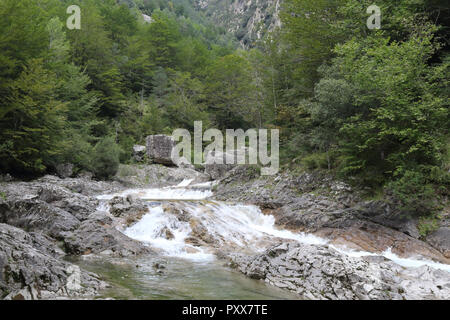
249,20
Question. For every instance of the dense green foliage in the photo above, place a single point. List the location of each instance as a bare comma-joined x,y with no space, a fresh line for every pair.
369,105
373,104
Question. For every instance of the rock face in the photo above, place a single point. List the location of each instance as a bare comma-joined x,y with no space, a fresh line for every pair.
139,153
320,272
159,149
440,239
36,215
31,268
249,20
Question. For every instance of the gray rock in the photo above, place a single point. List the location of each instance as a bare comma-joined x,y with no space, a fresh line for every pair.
139,153
64,170
159,149
184,163
37,215
216,164
128,208
440,239
31,268
98,234
156,175
320,272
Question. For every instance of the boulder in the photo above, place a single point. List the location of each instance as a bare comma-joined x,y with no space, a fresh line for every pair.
159,149
64,170
139,153
184,164
97,235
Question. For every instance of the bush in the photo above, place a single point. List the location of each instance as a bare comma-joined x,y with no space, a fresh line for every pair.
105,160
316,161
413,194
427,225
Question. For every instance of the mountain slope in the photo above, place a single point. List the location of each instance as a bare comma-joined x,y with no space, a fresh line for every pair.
249,20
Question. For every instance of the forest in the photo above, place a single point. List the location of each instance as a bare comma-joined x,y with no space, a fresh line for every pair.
369,106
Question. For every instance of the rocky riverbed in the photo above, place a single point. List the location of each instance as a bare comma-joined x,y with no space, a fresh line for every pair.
307,234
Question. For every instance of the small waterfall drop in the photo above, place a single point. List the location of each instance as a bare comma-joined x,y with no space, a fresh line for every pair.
185,224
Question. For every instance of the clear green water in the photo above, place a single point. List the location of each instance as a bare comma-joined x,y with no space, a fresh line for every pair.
180,279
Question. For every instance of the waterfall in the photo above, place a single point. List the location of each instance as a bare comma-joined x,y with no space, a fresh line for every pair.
185,224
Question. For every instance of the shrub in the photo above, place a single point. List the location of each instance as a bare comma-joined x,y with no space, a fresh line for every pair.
413,194
105,159
427,225
316,161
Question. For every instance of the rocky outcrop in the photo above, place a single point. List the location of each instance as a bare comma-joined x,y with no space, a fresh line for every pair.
46,205
249,20
320,272
159,149
37,215
31,268
128,208
99,235
217,166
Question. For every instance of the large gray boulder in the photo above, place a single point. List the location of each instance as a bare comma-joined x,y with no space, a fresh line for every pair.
159,149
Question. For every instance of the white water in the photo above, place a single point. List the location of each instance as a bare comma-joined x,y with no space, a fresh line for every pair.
243,227
167,193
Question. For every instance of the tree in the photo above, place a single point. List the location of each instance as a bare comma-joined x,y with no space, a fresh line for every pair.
230,92
32,123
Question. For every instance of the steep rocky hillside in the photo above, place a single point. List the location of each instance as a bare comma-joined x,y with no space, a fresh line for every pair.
247,19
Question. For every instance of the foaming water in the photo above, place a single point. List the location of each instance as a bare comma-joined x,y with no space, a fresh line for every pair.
172,193
219,225
153,229
414,263
235,226
185,183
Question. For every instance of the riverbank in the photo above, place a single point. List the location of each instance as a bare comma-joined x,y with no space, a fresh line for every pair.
299,241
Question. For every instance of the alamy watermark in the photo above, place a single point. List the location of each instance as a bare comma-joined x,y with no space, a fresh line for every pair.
236,151
374,21
74,20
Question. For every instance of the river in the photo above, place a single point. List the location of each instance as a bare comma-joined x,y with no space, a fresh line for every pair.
188,230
